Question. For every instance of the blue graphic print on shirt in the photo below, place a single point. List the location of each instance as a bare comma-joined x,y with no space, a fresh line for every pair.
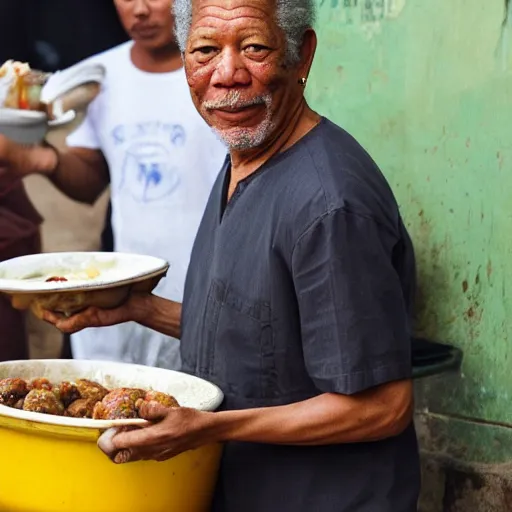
148,173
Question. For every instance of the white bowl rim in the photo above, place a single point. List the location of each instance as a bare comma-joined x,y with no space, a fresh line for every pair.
18,286
20,117
215,396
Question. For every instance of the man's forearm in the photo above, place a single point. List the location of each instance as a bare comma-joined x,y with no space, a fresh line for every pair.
81,174
326,419
159,314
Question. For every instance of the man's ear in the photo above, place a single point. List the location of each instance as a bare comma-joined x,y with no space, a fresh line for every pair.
307,53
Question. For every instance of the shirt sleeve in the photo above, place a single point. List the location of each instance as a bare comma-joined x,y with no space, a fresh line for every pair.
354,321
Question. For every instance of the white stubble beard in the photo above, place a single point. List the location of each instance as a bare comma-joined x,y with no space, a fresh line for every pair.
244,138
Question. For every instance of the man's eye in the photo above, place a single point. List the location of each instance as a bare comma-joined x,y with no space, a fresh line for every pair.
206,50
257,52
256,48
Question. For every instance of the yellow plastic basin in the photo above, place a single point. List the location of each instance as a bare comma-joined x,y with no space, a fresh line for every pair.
52,463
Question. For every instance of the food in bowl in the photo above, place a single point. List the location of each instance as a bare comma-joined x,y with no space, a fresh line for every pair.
43,401
67,283
92,270
12,390
81,399
21,86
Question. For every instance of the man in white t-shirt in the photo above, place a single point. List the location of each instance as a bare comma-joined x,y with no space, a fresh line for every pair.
144,136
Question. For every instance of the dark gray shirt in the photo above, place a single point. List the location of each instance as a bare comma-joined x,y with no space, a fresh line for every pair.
302,284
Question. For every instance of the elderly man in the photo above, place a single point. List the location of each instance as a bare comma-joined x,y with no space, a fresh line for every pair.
299,289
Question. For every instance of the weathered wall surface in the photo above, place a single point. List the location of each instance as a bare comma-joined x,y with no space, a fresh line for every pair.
426,87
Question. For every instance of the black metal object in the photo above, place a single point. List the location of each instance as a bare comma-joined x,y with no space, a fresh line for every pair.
431,358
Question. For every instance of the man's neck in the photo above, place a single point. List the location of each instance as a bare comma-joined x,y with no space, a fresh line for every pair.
161,60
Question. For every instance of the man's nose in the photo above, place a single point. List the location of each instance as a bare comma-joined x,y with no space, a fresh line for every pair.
140,8
231,70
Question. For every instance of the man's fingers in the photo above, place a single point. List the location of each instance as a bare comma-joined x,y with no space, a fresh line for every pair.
152,411
90,317
107,446
133,438
68,325
124,456
52,318
105,443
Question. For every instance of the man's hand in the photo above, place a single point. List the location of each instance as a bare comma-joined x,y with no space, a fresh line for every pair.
10,171
378,413
18,161
173,431
159,314
90,317
131,310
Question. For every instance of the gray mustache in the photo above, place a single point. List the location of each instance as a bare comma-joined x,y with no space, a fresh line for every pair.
234,101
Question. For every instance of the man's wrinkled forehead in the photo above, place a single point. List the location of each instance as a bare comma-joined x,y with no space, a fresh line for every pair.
232,10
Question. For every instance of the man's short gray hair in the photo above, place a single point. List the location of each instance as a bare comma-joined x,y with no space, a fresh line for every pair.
293,16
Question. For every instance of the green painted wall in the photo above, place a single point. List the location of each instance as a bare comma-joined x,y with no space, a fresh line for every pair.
426,87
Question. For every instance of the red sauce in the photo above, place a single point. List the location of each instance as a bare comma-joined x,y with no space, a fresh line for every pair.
57,279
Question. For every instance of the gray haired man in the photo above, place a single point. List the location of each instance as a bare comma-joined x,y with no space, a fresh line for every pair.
298,291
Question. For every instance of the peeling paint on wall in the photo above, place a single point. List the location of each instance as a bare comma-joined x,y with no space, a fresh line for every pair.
368,15
394,8
503,49
366,11
430,101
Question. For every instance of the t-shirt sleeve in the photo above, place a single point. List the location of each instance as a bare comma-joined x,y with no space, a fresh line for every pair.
85,136
353,314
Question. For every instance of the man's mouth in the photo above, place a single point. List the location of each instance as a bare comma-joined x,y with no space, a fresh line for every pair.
237,113
234,109
145,31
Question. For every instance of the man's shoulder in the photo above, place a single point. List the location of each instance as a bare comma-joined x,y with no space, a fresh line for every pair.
329,170
342,167
110,56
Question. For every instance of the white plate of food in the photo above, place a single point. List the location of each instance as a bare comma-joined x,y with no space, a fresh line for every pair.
30,126
33,103
68,282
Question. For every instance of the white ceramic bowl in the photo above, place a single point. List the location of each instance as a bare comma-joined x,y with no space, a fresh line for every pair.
98,279
64,87
188,390
23,126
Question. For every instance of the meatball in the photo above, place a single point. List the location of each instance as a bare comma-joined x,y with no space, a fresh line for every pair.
67,393
81,408
91,390
131,393
157,396
40,383
12,390
118,404
42,400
